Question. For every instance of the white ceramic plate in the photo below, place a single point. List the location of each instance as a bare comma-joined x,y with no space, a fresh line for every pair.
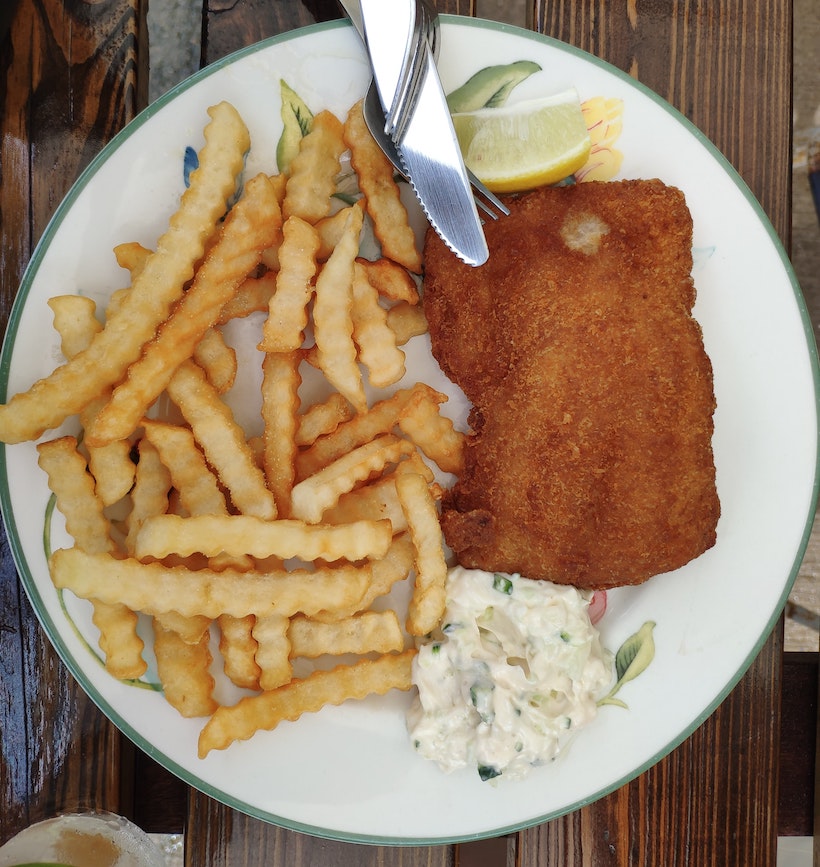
349,772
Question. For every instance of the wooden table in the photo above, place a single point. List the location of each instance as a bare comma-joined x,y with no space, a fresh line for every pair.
72,73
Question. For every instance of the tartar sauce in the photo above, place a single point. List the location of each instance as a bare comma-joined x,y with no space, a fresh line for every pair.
514,671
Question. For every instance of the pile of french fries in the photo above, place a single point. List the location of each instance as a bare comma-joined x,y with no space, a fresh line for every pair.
280,544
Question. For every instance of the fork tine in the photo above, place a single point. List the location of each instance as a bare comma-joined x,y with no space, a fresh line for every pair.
485,208
489,196
404,100
373,113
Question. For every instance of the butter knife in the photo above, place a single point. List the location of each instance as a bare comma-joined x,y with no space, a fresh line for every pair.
429,148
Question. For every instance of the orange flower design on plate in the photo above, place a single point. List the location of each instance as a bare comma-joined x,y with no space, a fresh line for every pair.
604,119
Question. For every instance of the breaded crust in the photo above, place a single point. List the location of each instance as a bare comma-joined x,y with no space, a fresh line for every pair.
591,461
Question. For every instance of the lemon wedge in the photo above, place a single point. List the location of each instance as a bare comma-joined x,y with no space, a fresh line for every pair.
524,145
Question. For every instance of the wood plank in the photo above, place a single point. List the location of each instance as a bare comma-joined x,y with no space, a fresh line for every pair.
816,812
159,798
229,25
218,835
797,745
701,59
716,795
685,69
68,82
715,62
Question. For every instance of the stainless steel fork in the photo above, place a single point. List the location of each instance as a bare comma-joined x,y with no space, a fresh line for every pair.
425,28
486,201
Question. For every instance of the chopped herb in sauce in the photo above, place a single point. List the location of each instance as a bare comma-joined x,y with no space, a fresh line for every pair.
516,670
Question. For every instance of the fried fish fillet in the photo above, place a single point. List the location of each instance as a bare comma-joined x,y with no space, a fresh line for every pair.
590,461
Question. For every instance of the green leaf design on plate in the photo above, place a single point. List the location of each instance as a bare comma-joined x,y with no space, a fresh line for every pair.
47,548
632,659
43,864
490,86
51,505
298,121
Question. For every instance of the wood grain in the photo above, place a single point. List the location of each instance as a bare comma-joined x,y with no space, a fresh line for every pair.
701,58
796,800
229,25
219,837
725,65
71,74
696,57
659,818
68,82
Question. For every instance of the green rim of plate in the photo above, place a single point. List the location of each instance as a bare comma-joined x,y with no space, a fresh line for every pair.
27,579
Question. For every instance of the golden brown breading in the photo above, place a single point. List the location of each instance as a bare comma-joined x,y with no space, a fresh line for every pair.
591,461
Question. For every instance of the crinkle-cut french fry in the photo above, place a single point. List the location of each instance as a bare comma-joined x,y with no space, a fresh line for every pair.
73,488
378,351
238,648
280,405
284,328
76,499
217,359
132,256
252,296
333,315
119,641
377,499
198,492
322,418
155,588
395,566
421,420
257,447
407,321
280,185
115,302
189,629
222,440
244,534
374,501
381,418
313,495
313,171
160,283
273,651
390,223
111,466
149,496
279,182
75,320
330,231
266,710
197,486
366,632
183,670
391,281
427,604
246,231
270,256
268,564
414,463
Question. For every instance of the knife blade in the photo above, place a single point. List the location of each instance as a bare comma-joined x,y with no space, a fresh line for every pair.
429,148
432,158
